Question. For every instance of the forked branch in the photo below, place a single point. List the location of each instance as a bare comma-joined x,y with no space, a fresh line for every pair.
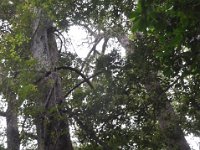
77,85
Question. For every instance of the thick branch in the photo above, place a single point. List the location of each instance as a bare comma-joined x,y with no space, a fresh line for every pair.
2,114
93,33
78,72
77,85
96,42
66,68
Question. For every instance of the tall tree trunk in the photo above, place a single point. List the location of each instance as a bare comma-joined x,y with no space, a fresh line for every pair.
166,116
165,113
13,139
52,126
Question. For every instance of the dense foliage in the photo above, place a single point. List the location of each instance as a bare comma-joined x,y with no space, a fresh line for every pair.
148,99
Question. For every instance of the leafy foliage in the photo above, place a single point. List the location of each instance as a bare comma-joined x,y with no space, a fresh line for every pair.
117,111
174,25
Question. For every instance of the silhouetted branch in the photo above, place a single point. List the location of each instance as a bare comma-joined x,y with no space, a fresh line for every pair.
2,114
77,85
105,43
78,72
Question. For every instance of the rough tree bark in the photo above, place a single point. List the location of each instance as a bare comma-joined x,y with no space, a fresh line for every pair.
11,116
168,120
52,126
13,139
166,116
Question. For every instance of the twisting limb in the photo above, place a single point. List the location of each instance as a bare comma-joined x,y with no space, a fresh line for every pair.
61,42
99,36
59,35
77,85
78,72
93,33
66,68
96,42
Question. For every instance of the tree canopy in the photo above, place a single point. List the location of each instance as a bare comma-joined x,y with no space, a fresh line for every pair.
147,99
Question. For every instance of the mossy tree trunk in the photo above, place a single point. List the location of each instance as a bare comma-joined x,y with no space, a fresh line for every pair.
52,124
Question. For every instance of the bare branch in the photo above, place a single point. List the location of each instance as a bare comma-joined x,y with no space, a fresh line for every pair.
77,85
48,97
78,72
66,68
93,33
61,42
96,42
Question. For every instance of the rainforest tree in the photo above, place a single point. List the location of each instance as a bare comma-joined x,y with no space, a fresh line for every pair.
147,99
